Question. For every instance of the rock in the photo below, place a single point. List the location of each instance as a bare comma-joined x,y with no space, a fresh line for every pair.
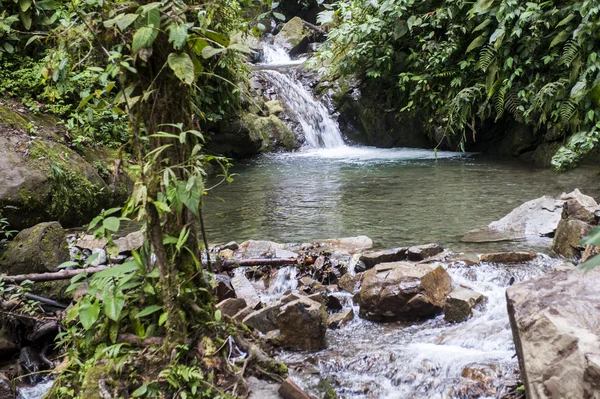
7,346
508,257
289,390
5,387
293,36
403,291
100,257
242,314
460,303
555,322
38,249
339,320
307,281
90,242
469,259
231,306
347,282
421,252
226,254
574,210
31,363
130,242
318,298
232,245
535,218
223,289
302,324
274,107
349,244
478,381
260,389
563,266
371,259
568,236
244,289
333,303
265,319
258,249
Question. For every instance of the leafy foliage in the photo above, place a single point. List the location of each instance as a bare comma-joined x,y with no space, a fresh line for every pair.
452,61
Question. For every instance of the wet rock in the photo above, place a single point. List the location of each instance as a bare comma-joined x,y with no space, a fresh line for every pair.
535,218
38,249
289,390
230,307
265,319
421,252
469,259
223,289
100,257
5,387
339,320
371,259
508,257
349,244
347,282
460,303
478,382
302,325
360,267
333,303
274,107
568,236
563,266
31,363
293,36
226,254
244,289
555,322
307,281
403,291
259,249
318,298
574,210
90,242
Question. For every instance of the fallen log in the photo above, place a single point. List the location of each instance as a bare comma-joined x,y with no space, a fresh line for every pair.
222,264
289,390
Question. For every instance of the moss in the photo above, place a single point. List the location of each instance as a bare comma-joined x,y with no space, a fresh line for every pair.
12,118
271,131
327,390
294,31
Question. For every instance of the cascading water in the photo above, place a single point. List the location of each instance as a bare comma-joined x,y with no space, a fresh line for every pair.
320,130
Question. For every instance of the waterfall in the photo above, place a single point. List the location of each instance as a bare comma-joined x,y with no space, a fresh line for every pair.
320,130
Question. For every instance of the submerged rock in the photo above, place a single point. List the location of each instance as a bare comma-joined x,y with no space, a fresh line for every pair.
460,303
403,291
508,257
371,259
302,325
555,322
38,249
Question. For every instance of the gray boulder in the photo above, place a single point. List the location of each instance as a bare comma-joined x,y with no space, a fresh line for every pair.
231,306
403,291
568,236
460,303
555,322
38,249
339,320
244,289
422,252
265,319
294,36
347,282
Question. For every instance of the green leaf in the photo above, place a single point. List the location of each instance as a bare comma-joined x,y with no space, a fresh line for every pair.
91,258
47,5
124,20
476,43
67,264
113,331
566,20
26,19
24,5
561,37
218,315
111,223
482,25
141,391
178,35
9,48
279,16
148,311
210,51
590,264
120,270
144,37
113,305
88,313
182,66
162,319
593,237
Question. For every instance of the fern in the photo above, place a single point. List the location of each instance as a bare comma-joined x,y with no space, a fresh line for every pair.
570,52
567,110
487,55
498,101
511,105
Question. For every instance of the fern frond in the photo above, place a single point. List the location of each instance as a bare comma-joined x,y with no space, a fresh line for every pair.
498,101
511,105
487,55
567,110
570,51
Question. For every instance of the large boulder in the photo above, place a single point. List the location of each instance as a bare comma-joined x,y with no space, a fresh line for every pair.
44,179
38,249
568,236
302,325
508,257
535,218
294,36
371,259
555,322
403,291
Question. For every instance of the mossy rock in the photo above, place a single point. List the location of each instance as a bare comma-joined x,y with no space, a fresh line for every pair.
294,36
273,133
38,249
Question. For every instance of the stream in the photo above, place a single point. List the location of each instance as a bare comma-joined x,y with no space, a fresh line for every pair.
397,197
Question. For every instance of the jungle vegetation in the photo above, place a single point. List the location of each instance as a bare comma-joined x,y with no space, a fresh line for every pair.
457,63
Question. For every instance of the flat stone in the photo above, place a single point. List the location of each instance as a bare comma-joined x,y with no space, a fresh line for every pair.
260,389
339,320
231,306
263,320
508,257
349,244
90,242
244,289
555,321
242,314
231,245
130,242
370,259
347,283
